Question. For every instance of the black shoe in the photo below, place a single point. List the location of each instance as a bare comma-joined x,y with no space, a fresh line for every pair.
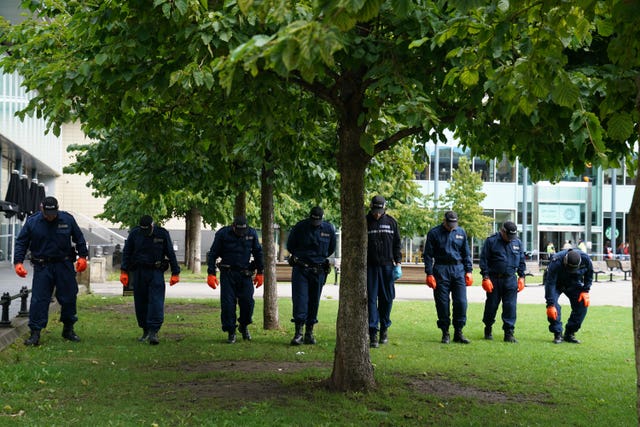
153,338
145,335
297,339
445,337
557,338
231,338
245,332
571,338
69,334
308,335
373,338
508,337
384,336
488,333
459,338
34,338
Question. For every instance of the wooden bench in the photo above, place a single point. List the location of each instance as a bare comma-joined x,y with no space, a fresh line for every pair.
615,266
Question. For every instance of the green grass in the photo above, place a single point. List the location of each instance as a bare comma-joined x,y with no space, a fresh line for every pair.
194,378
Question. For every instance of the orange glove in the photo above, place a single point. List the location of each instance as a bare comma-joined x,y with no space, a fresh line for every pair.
258,280
520,283
431,281
584,297
552,313
81,264
124,278
487,285
212,281
20,270
174,279
468,279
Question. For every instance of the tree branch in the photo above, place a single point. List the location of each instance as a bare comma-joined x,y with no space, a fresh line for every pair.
387,143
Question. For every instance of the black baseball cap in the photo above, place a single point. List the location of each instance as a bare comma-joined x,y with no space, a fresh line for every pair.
572,260
378,204
451,217
50,205
316,216
240,225
145,221
510,229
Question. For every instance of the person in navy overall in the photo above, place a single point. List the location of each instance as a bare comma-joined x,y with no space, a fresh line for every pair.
502,257
570,272
310,243
49,235
447,264
147,254
383,260
235,245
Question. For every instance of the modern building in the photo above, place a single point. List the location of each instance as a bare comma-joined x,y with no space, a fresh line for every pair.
578,207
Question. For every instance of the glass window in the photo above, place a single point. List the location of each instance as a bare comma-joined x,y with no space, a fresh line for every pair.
504,170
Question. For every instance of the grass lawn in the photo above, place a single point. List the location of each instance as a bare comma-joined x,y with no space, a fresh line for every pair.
194,378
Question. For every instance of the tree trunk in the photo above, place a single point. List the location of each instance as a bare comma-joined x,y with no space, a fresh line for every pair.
240,205
634,248
352,368
195,241
187,242
270,296
282,243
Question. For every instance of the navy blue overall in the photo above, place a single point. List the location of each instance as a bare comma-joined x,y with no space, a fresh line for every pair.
142,258
52,256
500,260
310,246
383,252
447,257
558,279
236,268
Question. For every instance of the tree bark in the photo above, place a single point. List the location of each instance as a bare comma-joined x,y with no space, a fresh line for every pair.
270,295
352,368
240,205
634,247
282,243
194,248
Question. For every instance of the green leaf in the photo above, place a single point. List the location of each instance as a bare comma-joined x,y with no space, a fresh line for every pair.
620,126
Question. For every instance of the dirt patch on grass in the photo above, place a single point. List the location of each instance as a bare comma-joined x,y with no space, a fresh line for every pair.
231,393
442,388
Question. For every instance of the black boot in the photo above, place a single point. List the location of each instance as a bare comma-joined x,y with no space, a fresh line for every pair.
297,337
69,334
570,337
245,332
508,336
384,336
557,337
145,335
488,333
459,338
308,335
153,338
445,336
34,338
231,337
373,338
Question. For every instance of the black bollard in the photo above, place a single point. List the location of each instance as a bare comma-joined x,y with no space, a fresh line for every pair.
5,301
24,310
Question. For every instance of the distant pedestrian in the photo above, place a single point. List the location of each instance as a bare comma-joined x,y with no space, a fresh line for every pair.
502,257
147,254
571,273
54,239
240,253
383,268
310,243
582,246
447,264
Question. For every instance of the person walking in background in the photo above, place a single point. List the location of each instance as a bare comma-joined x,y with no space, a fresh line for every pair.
501,258
147,254
551,249
582,245
571,273
383,268
447,264
310,243
54,239
235,245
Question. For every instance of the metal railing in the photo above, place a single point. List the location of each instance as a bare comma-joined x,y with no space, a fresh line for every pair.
6,300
